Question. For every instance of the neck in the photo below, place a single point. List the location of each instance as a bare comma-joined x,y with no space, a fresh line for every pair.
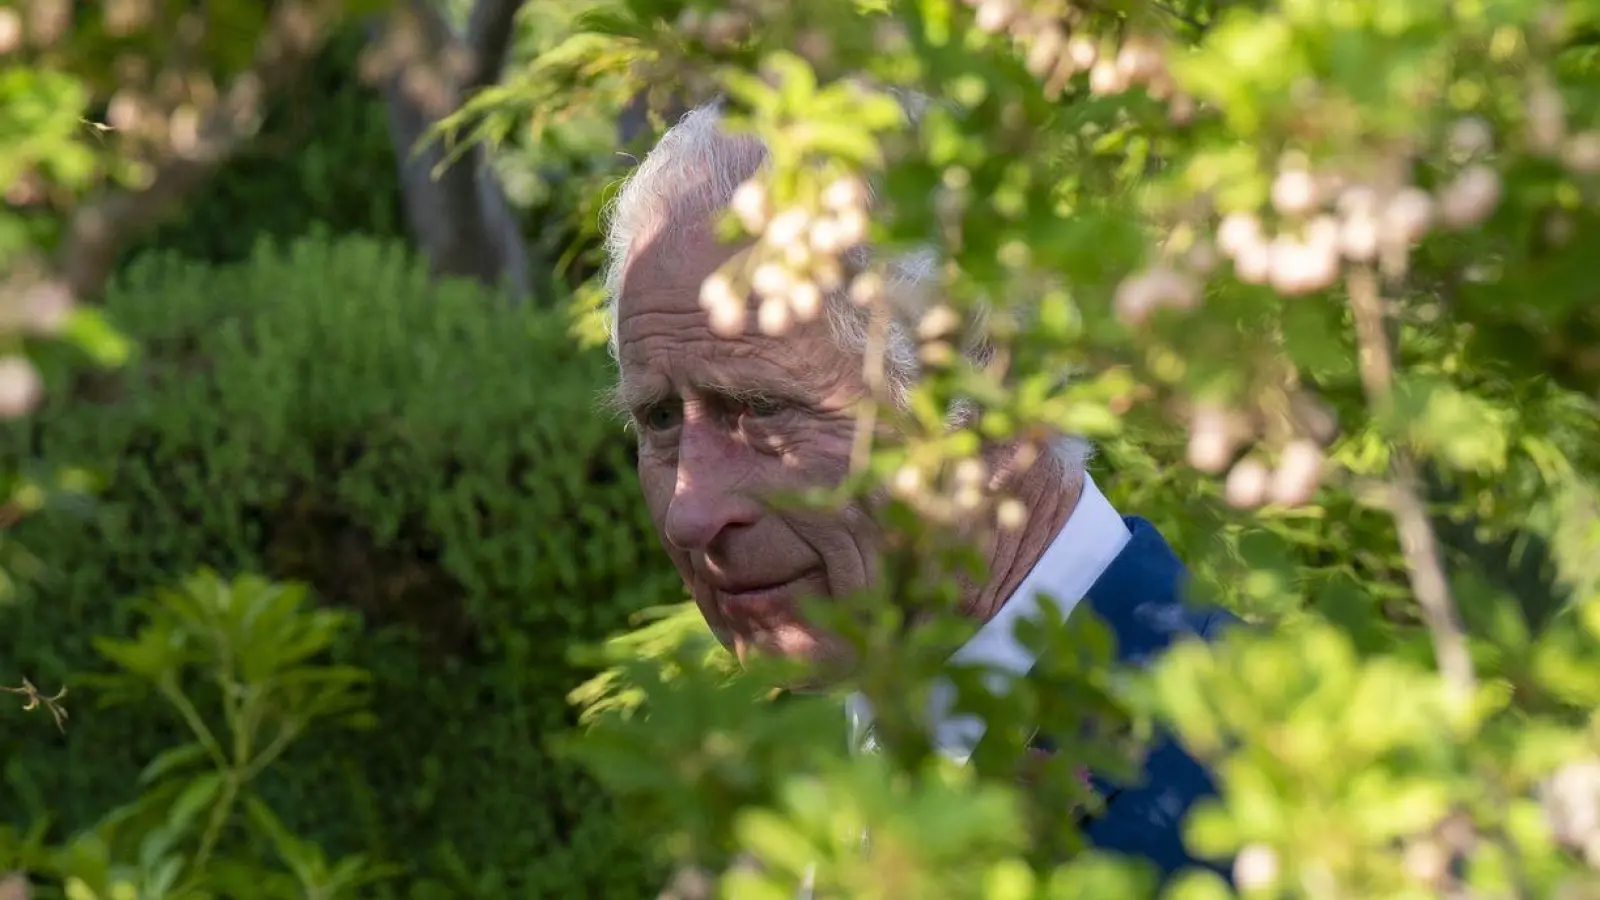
1048,496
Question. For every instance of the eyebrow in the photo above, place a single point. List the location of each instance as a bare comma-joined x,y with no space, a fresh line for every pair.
624,399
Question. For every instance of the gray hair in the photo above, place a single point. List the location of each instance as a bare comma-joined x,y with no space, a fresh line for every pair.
694,171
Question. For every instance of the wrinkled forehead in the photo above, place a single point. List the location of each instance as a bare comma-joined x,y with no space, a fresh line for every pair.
675,253
664,337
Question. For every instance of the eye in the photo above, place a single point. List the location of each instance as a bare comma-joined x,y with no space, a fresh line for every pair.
661,417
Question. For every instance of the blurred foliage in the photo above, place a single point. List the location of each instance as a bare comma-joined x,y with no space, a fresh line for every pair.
238,664
1319,270
1322,271
322,159
322,413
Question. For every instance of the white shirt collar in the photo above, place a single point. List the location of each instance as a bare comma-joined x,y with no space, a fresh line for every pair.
1085,547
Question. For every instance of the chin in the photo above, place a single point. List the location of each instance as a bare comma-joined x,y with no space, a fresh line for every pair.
821,659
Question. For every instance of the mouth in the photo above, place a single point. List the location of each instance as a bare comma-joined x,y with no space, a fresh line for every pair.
759,594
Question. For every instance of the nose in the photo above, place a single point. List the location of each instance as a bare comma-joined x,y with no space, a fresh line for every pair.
711,497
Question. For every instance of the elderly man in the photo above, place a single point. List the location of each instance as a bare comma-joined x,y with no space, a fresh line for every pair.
723,421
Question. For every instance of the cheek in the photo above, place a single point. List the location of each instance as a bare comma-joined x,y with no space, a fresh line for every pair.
817,453
657,479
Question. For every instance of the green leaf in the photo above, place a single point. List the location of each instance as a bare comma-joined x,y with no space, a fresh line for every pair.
88,329
302,858
200,793
172,760
1465,431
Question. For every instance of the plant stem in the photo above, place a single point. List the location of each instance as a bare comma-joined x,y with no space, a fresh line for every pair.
1418,543
873,374
219,819
197,725
270,753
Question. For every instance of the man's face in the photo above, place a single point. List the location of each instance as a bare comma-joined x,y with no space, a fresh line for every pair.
726,422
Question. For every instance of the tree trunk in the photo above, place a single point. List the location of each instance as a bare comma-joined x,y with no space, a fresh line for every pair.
455,207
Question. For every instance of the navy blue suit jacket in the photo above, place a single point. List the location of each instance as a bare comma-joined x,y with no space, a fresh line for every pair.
1140,598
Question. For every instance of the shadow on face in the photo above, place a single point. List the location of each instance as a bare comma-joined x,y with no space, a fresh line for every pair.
723,424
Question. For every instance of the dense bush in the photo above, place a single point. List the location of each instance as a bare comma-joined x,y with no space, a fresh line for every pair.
324,414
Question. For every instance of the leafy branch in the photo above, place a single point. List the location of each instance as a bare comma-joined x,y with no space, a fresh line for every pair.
1418,543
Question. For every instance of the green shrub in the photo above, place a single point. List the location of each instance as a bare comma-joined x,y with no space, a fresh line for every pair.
324,414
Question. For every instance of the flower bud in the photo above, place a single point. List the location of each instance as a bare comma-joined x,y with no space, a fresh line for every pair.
938,322
1141,294
20,386
846,193
970,472
1470,198
1253,264
1246,486
1294,193
750,206
1426,861
771,280
806,299
1547,119
1237,230
1011,515
1082,51
1358,199
1358,238
1300,268
852,227
773,316
1582,153
1213,436
907,480
717,290
1298,474
1408,214
1471,136
797,256
827,273
1138,58
1106,79
10,31
866,288
728,319
787,227
46,307
1045,53
1255,868
994,15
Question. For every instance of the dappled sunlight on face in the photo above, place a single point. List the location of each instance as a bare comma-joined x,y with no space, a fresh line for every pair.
724,424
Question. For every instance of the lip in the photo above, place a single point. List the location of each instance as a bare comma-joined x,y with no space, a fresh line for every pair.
758,593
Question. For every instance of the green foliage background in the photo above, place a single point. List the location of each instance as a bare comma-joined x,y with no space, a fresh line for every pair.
321,413
323,158
305,406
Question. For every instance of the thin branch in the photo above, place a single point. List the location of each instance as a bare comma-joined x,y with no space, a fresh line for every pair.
1418,543
873,374
1198,26
36,700
197,723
